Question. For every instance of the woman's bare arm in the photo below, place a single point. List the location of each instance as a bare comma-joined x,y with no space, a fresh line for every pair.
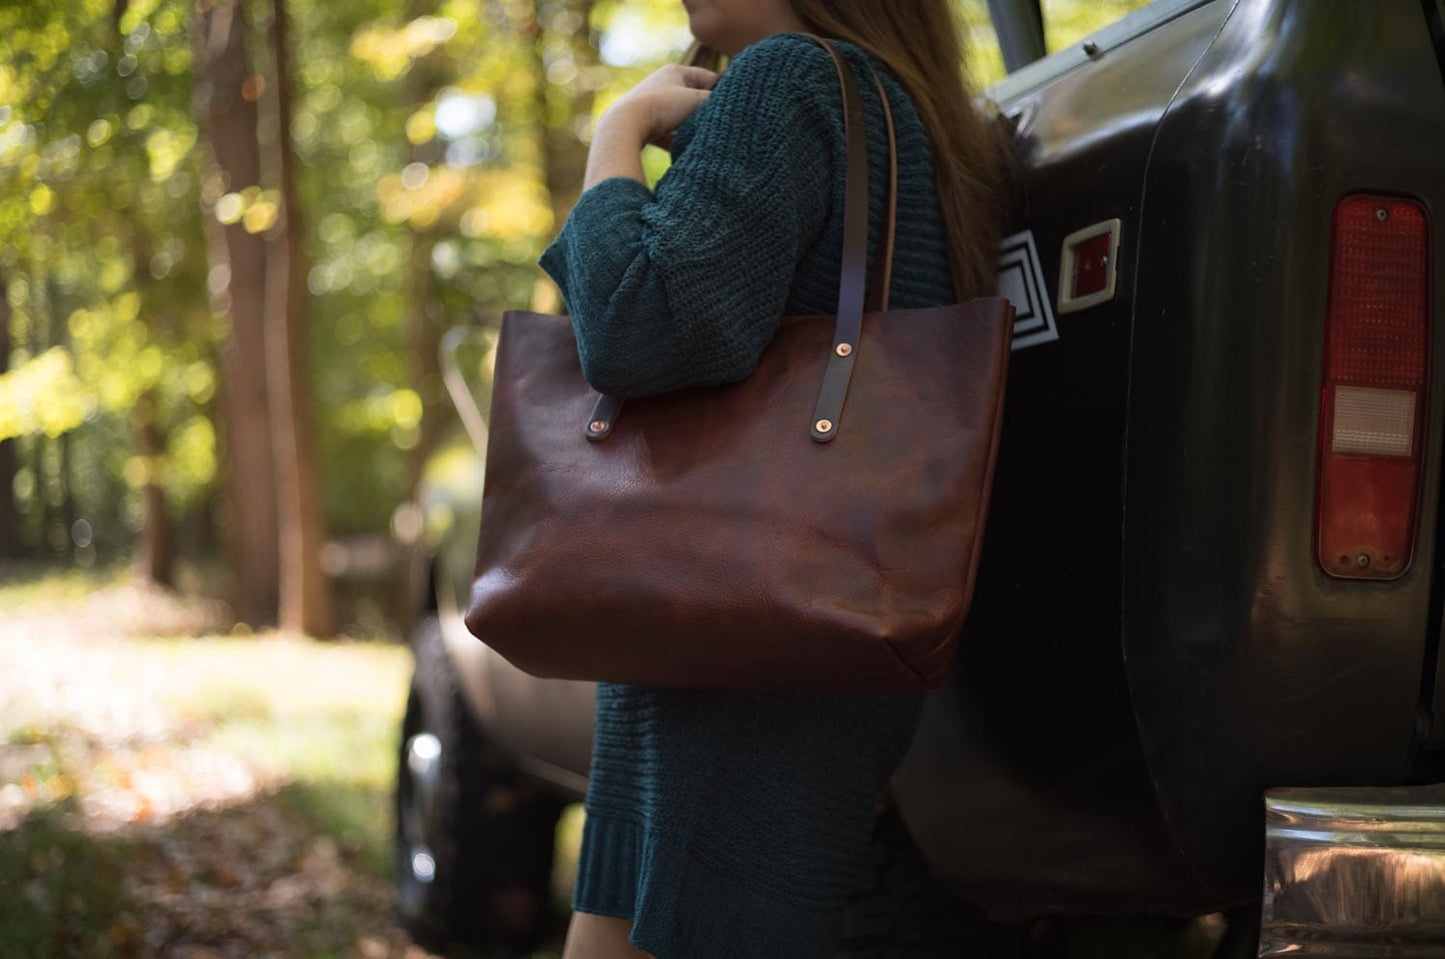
648,113
616,149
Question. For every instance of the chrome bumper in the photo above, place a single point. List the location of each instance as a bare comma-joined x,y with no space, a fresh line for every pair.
1354,872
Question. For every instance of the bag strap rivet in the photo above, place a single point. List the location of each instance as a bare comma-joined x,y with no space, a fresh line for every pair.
844,349
604,414
823,426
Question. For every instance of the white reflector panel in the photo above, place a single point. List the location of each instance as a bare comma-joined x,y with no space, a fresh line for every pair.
1373,422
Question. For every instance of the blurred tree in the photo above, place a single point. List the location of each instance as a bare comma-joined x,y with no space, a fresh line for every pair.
155,556
10,545
226,95
50,478
156,553
305,599
424,326
565,127
352,140
76,191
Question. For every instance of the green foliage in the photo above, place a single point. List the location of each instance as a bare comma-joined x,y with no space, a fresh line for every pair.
421,131
101,255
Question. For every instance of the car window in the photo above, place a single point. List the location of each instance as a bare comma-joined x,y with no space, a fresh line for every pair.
1069,21
1065,22
1106,23
985,59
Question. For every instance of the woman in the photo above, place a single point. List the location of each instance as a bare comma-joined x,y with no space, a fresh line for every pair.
735,824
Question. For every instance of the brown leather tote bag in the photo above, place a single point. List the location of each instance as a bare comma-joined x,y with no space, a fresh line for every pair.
759,535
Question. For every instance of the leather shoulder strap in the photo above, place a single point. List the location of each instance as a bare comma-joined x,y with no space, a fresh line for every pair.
883,257
851,282
883,260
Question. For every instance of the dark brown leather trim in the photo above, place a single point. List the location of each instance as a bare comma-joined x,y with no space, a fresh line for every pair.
883,260
604,415
828,411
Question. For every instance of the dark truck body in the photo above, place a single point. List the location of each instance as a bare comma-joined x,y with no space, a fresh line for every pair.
1153,641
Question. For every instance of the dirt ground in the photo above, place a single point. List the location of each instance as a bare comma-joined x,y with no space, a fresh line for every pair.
169,787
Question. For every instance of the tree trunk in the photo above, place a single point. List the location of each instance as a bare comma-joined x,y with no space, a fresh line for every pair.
67,495
9,462
564,153
423,325
305,604
39,309
423,364
66,501
226,111
156,557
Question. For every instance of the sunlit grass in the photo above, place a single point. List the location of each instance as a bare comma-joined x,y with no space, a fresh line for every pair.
108,736
27,586
321,717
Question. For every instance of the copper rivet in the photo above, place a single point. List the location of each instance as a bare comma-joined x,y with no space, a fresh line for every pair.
844,349
598,426
823,426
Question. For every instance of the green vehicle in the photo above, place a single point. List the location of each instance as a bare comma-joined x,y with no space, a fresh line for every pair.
1202,672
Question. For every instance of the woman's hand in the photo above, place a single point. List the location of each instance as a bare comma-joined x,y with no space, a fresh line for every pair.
648,113
657,106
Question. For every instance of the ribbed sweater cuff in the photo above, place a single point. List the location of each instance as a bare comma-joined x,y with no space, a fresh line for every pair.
693,911
598,212
611,862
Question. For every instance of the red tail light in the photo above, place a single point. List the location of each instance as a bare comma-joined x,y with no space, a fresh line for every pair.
1372,411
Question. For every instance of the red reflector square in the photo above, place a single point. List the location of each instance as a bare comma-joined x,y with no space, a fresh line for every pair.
1091,265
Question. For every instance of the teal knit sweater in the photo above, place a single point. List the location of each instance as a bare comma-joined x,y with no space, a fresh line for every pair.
737,823
684,285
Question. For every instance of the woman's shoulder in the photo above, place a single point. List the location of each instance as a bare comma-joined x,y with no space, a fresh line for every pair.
782,75
798,60
796,67
780,51
783,67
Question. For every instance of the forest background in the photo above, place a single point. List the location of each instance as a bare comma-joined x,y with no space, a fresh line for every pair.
232,236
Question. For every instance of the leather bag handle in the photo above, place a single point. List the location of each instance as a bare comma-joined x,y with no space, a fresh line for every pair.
849,327
851,306
883,257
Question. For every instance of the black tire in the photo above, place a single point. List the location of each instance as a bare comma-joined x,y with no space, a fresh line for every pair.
474,837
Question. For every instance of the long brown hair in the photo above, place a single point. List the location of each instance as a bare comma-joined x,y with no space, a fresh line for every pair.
921,43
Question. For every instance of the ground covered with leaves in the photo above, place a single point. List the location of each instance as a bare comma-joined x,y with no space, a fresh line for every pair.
172,787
